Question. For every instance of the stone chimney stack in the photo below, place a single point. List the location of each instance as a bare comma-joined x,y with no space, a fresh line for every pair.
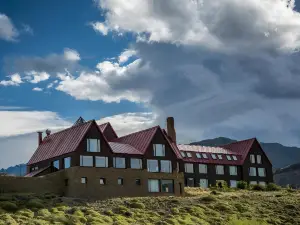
171,128
48,132
40,137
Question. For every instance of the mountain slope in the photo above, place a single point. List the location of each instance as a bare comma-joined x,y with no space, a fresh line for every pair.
18,170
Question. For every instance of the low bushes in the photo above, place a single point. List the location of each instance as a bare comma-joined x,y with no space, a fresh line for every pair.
258,187
272,187
35,203
242,185
8,206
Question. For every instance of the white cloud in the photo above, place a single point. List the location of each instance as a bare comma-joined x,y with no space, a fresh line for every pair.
71,55
37,89
15,80
27,29
100,27
128,53
8,32
36,77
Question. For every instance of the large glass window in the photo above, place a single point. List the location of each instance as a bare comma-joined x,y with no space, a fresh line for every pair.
253,182
233,183
56,164
153,185
252,171
219,169
261,172
189,167
252,158
119,162
101,161
86,160
136,163
152,165
189,182
165,166
159,149
262,183
93,145
202,168
233,170
67,162
167,186
203,183
258,159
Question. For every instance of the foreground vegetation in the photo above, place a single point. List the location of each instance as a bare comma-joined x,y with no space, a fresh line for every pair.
217,206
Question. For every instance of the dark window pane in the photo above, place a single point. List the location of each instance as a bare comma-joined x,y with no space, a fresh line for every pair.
167,186
138,181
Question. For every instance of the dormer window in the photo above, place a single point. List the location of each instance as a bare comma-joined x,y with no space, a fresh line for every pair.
220,156
234,158
204,155
198,155
189,154
228,157
214,156
93,145
182,154
159,150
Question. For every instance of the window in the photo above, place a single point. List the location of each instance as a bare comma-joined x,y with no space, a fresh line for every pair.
189,154
233,183
83,180
102,181
182,154
252,158
219,169
86,160
153,185
119,162
189,168
190,182
203,183
159,150
204,155
55,164
93,145
138,181
253,182
232,170
258,159
101,161
262,183
36,168
136,163
152,165
202,168
198,155
167,186
261,172
234,157
220,157
67,162
252,171
165,166
228,157
120,181
214,156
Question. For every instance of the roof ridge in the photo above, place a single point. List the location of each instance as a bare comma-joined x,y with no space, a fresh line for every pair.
135,132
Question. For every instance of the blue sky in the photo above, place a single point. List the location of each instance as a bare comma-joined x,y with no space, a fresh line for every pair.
220,68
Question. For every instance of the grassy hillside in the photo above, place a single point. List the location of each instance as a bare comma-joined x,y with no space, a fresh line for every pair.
241,207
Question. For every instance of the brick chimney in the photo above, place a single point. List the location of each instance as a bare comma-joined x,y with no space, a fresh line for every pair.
40,137
48,132
171,128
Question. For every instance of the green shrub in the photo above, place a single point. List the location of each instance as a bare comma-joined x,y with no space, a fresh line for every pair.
221,184
208,198
8,206
175,211
108,213
137,205
35,203
272,187
5,198
242,185
258,187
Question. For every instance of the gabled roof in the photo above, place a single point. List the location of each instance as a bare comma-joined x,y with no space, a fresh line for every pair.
108,131
124,148
60,143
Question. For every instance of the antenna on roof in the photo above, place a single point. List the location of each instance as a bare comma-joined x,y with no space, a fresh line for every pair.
80,120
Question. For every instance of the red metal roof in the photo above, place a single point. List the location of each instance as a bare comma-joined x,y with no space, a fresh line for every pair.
124,148
108,131
102,126
60,143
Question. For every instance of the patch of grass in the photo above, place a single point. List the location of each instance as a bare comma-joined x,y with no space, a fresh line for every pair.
208,198
272,187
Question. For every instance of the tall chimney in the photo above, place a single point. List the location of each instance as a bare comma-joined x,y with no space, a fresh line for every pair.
171,128
40,137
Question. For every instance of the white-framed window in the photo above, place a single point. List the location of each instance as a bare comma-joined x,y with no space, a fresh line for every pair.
189,167
202,168
56,164
153,185
102,181
204,155
262,183
261,172
252,158
252,171
234,158
152,165
253,182
220,156
182,154
228,157
120,181
233,170
67,162
214,156
86,160
203,183
101,161
83,180
165,166
119,162
159,149
136,163
233,183
258,159
219,169
93,145
189,155
198,155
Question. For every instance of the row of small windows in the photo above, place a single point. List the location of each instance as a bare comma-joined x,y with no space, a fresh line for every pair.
203,183
256,159
253,172
189,168
205,156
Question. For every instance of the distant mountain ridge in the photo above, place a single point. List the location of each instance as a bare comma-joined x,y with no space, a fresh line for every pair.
18,170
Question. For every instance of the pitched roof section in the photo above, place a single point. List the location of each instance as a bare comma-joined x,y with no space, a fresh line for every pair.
60,143
205,149
124,148
37,172
108,131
